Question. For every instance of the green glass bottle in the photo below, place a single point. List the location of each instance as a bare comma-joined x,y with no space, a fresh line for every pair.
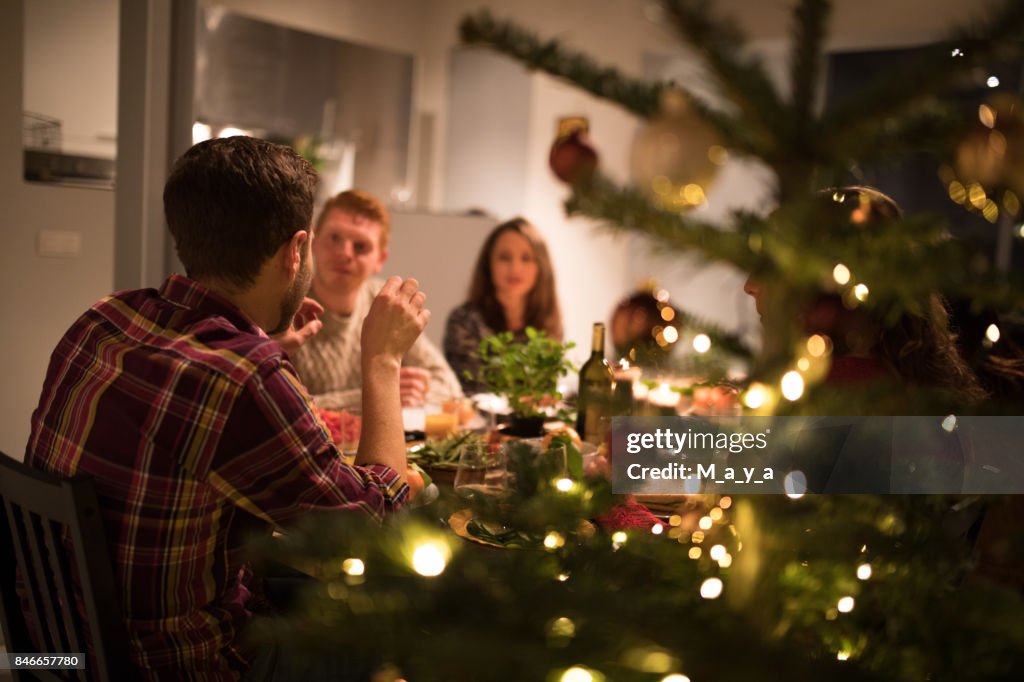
595,392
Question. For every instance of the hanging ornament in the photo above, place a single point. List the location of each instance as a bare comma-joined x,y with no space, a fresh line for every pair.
990,156
645,327
676,156
573,158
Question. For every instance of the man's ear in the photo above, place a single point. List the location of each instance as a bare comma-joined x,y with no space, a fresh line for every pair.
383,259
292,256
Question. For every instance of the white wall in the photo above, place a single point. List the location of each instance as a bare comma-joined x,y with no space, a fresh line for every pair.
40,296
70,49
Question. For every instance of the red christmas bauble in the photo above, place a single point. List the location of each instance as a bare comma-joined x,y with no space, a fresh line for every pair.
573,158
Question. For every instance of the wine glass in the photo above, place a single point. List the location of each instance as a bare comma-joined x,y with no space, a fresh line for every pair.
481,473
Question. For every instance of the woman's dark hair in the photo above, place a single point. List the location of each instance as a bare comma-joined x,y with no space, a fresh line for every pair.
232,202
542,311
919,347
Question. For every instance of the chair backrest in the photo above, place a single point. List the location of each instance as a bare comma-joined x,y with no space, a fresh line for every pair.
51,531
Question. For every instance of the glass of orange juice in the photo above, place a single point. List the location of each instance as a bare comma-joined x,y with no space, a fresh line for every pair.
440,424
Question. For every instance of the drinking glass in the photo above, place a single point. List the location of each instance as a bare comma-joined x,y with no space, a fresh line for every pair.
481,473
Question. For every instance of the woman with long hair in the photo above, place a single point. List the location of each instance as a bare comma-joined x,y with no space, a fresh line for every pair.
512,288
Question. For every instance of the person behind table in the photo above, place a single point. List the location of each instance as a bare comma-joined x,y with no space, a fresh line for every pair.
512,288
350,246
890,362
918,350
197,425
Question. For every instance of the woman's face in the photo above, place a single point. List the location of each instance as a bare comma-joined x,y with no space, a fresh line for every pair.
513,265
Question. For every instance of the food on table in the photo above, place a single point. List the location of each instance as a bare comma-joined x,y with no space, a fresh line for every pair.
566,431
344,427
497,534
715,399
444,453
416,483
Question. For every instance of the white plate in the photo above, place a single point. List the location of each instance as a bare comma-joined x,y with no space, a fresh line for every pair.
414,418
491,403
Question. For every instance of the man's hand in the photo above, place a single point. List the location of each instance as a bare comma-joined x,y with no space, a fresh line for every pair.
396,319
413,384
305,325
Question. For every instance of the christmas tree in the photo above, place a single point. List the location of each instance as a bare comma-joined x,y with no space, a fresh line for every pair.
850,587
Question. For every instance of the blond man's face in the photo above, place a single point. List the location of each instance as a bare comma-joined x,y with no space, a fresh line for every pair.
347,251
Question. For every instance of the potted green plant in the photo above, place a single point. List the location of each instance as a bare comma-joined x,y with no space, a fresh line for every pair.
526,374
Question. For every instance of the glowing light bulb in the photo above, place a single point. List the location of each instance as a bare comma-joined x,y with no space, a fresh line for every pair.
817,345
564,484
841,274
861,291
353,567
992,333
803,364
671,334
657,529
577,674
756,396
675,677
702,343
864,571
992,82
716,552
429,560
553,540
792,386
987,116
949,423
842,655
711,588
706,522
845,605
619,537
562,627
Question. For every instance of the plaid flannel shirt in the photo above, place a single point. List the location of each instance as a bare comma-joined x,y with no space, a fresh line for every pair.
191,421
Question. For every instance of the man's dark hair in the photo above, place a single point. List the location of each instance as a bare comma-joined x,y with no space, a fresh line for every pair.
232,202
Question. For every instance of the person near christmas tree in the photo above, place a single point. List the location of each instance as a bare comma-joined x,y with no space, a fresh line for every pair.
350,246
195,427
919,350
512,288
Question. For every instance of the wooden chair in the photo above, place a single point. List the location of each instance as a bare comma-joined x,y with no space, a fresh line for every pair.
47,526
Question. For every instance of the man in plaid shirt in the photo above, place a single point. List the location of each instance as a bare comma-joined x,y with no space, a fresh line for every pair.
192,420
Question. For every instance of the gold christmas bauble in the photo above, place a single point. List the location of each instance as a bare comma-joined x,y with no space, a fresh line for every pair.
676,156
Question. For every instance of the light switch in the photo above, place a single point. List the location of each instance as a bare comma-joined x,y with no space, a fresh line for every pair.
59,243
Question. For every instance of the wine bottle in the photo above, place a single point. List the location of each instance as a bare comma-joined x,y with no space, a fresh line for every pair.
594,402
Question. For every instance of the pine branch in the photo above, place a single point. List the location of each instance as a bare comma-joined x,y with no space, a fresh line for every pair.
744,83
735,135
805,61
720,338
625,209
934,71
639,97
930,128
